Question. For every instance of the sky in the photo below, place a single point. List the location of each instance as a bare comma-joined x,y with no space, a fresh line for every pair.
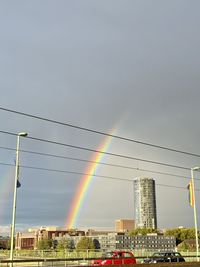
128,65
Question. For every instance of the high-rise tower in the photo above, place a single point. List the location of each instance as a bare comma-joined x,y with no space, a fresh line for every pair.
145,203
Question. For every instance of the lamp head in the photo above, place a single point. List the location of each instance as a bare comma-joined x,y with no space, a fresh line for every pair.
24,134
195,168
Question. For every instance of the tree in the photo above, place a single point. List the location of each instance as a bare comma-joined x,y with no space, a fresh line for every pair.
96,243
9,244
181,234
85,243
142,231
65,243
44,243
185,246
187,234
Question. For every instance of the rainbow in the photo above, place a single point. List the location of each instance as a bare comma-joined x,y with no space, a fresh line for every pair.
83,186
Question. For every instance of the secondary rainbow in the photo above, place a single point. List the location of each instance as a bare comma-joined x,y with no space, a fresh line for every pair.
83,186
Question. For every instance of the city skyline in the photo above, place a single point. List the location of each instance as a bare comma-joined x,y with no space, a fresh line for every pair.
132,66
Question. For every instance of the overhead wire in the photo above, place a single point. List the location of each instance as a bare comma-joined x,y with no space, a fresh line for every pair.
99,151
95,162
112,154
86,174
98,132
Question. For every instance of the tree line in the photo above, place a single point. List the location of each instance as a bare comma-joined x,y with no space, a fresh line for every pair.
67,243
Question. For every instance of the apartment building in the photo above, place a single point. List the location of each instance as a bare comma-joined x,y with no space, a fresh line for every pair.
145,203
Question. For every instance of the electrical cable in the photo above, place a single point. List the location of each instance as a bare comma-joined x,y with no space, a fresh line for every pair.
99,132
95,162
83,174
98,151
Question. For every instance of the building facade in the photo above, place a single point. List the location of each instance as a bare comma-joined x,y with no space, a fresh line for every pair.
145,203
149,242
26,240
4,242
124,225
106,240
29,240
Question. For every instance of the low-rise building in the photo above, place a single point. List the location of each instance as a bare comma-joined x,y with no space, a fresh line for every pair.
124,225
4,242
105,240
26,240
29,240
149,242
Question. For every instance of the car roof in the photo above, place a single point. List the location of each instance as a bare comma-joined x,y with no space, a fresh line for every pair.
166,252
121,251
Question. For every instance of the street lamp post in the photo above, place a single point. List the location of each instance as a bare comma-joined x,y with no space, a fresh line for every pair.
23,134
195,212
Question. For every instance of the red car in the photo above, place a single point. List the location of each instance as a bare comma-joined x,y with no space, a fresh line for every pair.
116,258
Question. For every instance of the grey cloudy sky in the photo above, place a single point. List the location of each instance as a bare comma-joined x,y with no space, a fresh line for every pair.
98,64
